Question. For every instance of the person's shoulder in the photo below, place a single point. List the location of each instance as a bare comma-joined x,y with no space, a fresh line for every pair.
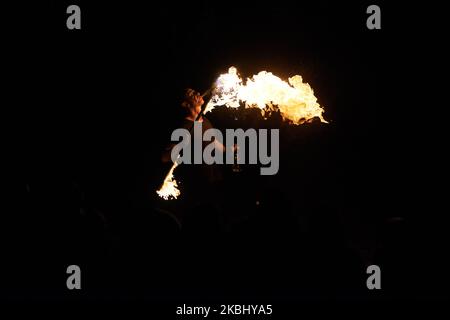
206,121
186,123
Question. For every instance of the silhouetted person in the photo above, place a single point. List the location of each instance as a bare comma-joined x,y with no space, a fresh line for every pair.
197,182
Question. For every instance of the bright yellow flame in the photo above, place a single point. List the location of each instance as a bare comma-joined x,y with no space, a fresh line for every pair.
294,99
169,188
226,90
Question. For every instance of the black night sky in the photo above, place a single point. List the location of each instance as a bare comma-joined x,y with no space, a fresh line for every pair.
92,109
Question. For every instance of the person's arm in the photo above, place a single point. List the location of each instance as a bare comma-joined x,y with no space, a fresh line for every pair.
220,146
217,144
166,155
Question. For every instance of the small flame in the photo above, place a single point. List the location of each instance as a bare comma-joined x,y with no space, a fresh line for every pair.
294,99
169,188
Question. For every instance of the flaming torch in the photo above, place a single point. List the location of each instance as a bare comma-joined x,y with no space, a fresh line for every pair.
169,188
294,99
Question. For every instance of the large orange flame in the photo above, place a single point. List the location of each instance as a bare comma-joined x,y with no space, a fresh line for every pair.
294,99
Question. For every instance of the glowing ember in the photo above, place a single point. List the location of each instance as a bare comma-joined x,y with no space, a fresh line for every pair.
294,99
169,188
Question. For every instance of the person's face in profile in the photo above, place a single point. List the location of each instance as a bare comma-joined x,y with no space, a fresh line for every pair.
195,101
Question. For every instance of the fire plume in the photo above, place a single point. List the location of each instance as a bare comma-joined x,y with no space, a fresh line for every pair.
294,99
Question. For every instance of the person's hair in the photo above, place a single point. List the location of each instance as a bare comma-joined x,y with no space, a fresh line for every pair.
188,97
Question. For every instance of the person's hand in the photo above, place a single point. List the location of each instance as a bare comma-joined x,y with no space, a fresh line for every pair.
234,148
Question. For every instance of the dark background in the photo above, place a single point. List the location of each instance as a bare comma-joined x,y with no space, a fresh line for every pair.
90,111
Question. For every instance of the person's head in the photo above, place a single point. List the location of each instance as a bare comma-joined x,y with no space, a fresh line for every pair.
192,102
